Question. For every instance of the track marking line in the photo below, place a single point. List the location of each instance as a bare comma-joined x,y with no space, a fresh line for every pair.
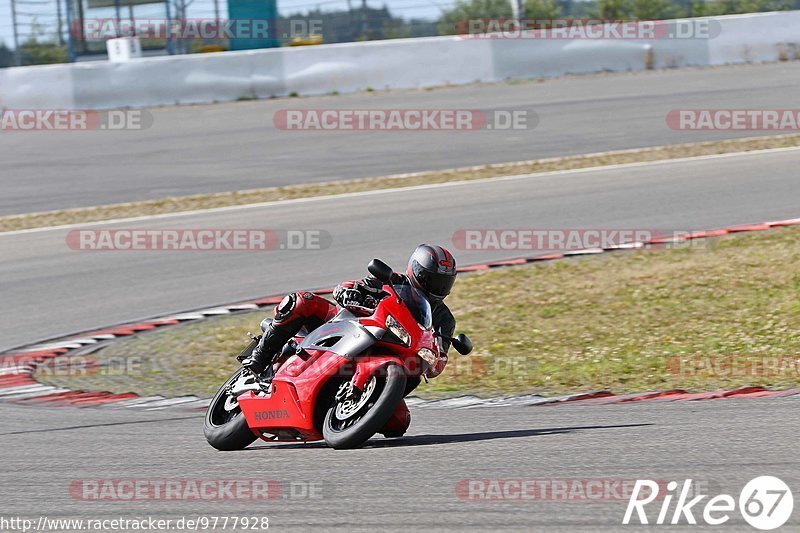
393,190
12,391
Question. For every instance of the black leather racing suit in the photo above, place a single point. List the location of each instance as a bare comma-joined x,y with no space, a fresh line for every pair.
444,324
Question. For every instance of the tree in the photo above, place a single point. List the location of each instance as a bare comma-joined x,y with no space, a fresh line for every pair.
456,19
656,10
582,10
541,10
614,9
701,8
42,49
36,53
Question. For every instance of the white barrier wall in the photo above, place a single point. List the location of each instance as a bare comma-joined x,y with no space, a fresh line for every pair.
45,87
401,63
755,37
522,58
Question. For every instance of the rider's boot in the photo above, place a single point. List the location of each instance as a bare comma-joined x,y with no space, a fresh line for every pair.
266,351
295,311
398,423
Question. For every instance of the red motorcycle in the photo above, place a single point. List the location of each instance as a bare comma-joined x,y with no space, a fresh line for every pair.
343,382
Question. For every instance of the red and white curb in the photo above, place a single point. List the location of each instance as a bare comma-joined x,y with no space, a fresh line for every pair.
600,398
18,383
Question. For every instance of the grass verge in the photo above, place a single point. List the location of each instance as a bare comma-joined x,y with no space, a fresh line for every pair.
622,321
226,199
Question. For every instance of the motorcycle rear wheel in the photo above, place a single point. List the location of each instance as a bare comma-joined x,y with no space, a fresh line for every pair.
370,417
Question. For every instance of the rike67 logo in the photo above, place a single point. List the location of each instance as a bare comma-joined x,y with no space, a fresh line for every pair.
765,503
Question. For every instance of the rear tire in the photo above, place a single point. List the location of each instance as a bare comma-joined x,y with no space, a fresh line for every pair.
373,416
226,430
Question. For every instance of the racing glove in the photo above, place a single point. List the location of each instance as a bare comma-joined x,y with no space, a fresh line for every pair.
352,297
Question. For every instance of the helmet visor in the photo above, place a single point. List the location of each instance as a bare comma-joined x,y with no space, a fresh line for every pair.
434,283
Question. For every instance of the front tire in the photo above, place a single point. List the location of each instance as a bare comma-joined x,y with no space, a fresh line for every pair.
224,426
346,432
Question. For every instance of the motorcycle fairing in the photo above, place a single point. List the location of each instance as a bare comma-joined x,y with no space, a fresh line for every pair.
280,414
343,336
295,389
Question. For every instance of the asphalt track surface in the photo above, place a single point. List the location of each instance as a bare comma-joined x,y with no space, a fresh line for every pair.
407,484
235,146
50,289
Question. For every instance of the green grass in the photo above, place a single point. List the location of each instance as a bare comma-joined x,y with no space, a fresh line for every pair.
607,322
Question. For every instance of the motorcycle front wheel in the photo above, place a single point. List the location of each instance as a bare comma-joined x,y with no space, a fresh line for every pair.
350,421
225,427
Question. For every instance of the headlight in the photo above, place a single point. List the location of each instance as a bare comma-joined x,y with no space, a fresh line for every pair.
397,330
428,356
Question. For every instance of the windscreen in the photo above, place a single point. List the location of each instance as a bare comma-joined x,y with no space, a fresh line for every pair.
416,303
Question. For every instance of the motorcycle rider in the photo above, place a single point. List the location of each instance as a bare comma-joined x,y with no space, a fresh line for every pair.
431,269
